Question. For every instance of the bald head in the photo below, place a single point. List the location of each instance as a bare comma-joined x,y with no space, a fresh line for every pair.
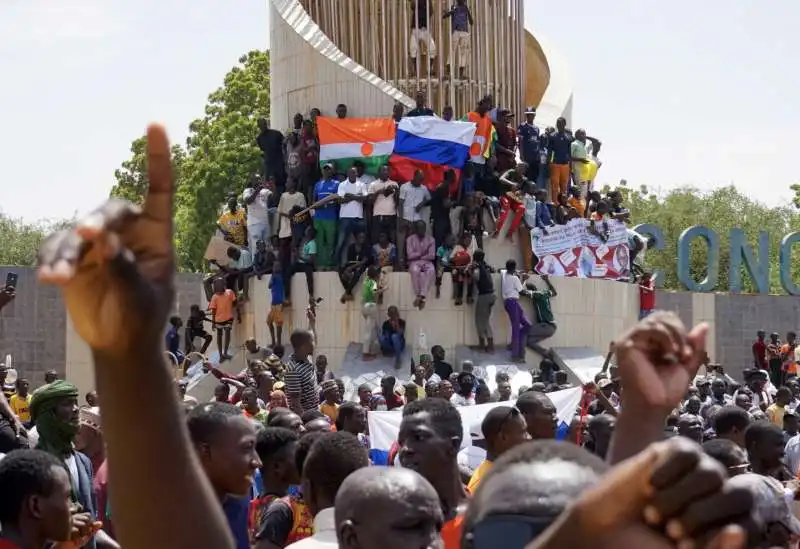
374,500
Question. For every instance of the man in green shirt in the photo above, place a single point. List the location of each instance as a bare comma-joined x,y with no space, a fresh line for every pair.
543,323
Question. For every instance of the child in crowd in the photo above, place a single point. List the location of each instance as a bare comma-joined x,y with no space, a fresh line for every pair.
330,405
20,402
647,295
222,306
561,209
263,259
472,217
599,221
275,316
385,255
544,218
576,201
195,328
369,310
443,254
172,339
460,259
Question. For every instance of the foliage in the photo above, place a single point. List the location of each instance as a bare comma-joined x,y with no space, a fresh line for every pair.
719,210
219,157
131,177
21,240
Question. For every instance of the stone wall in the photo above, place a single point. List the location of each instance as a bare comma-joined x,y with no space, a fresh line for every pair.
33,327
35,331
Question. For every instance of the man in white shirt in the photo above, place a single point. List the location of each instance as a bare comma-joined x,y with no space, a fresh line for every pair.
255,198
352,194
577,152
383,196
332,458
511,288
413,197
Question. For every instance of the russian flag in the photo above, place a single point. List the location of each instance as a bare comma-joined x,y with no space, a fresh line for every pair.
432,145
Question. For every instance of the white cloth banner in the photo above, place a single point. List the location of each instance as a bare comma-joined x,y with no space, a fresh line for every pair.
385,426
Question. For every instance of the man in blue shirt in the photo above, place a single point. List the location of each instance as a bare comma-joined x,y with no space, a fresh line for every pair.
173,338
275,316
559,145
528,135
326,216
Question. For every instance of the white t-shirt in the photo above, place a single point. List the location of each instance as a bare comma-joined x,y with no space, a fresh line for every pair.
411,197
352,209
384,205
257,210
511,285
459,400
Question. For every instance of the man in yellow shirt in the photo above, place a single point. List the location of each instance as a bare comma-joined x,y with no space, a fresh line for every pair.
20,401
233,223
330,392
503,428
776,412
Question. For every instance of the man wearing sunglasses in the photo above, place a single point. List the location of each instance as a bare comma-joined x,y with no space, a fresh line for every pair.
502,428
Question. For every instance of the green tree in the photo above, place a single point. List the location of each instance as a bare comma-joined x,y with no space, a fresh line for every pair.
21,241
719,210
131,177
220,156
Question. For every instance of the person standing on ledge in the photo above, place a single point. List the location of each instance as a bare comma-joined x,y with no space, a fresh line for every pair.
511,288
461,22
482,276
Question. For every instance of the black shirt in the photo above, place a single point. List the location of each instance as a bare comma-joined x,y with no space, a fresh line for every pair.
490,185
485,283
424,111
276,523
442,369
440,213
420,9
389,330
354,255
271,144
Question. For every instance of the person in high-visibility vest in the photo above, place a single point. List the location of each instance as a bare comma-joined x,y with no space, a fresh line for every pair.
483,136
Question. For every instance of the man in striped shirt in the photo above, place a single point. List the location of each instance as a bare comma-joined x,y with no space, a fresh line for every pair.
301,375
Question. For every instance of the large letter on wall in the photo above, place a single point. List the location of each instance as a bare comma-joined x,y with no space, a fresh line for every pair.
685,263
786,263
758,270
658,243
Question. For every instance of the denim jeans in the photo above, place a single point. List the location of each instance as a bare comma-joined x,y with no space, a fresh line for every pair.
347,226
392,344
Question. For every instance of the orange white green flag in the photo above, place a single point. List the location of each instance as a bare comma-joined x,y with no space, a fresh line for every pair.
342,141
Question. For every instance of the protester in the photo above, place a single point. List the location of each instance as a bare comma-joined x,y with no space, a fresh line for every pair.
373,501
225,442
330,460
429,438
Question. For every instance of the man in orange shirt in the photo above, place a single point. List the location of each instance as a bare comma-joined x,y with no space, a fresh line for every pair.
429,439
789,356
222,306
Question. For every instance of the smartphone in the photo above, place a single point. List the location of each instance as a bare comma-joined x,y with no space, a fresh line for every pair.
11,280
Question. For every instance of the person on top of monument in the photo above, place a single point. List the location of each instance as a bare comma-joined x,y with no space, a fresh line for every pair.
420,109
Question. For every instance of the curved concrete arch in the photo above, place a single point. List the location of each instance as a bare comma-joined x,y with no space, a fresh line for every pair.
308,70
556,100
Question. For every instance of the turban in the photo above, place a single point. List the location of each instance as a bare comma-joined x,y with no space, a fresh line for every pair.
55,435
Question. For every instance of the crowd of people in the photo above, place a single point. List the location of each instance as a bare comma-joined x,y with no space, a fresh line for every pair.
296,217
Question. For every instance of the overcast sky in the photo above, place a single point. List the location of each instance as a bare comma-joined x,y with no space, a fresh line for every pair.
682,93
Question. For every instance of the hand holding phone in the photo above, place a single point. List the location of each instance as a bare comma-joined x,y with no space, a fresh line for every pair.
11,280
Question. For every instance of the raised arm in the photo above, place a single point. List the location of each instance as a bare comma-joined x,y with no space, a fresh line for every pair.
118,293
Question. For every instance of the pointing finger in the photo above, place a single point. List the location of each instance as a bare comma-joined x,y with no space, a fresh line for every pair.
158,202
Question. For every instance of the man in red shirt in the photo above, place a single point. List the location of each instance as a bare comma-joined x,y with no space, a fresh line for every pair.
36,493
760,350
647,295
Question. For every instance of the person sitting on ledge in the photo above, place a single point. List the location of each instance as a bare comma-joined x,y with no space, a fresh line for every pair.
421,251
393,335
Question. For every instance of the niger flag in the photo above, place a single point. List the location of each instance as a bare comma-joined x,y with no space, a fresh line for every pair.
343,141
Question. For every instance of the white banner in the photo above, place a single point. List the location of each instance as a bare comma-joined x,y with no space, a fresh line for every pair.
385,426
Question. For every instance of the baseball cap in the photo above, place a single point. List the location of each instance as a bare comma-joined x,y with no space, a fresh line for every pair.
769,500
530,110
327,165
